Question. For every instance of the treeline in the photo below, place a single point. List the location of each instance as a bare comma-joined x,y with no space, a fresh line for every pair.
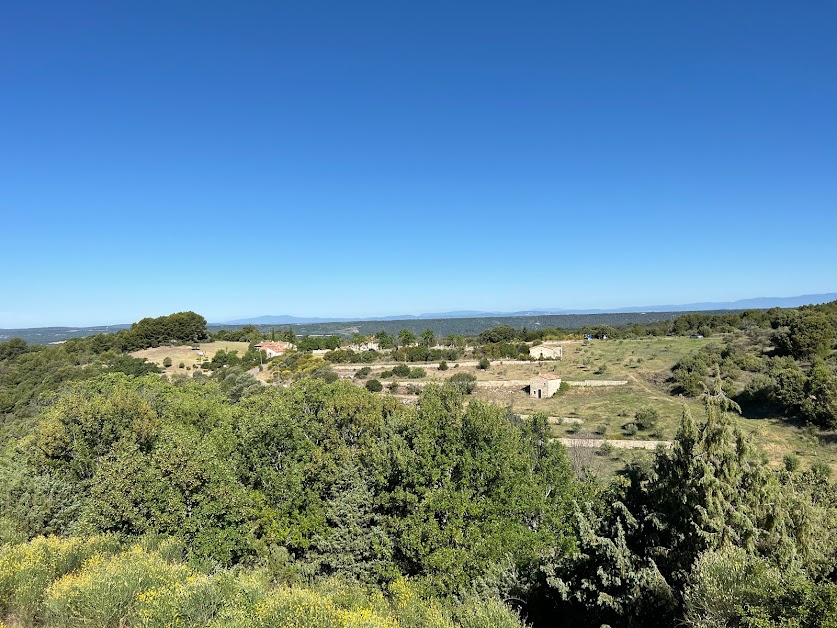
179,328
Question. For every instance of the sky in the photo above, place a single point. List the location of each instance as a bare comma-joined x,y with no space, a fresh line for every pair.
377,158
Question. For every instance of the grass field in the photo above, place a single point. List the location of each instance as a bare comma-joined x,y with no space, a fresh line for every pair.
604,411
184,354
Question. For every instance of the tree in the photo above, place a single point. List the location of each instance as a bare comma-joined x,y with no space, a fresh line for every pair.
13,348
406,338
483,364
385,341
820,402
167,362
354,544
428,338
501,333
251,334
810,335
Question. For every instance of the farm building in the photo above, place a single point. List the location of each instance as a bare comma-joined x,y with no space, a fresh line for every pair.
547,352
272,349
366,345
544,386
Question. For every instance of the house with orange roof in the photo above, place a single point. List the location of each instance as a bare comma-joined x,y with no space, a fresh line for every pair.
272,349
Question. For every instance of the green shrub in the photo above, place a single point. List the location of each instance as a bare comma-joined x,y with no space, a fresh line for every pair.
401,370
646,418
417,373
167,362
484,364
484,612
363,373
373,385
443,366
730,587
821,469
465,382
791,462
630,429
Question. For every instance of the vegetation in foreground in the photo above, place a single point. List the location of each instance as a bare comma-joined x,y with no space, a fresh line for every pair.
127,499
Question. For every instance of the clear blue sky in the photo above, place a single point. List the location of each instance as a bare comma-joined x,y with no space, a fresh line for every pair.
359,158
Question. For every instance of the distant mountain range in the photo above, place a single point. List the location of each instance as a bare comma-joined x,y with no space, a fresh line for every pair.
743,304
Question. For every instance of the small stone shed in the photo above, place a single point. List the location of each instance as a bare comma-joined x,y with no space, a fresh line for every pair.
544,386
547,352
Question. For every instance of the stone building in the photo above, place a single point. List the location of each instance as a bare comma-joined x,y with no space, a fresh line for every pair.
544,386
547,352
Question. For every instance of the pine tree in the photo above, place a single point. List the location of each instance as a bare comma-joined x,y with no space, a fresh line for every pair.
355,545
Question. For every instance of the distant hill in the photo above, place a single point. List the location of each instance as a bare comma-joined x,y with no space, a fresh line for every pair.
51,335
759,303
465,322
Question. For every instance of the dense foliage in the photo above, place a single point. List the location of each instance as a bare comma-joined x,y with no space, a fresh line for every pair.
128,499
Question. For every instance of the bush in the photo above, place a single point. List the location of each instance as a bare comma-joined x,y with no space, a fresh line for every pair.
417,373
167,362
363,373
401,370
443,366
791,462
631,429
373,385
182,365
601,370
106,589
27,570
484,364
646,418
465,382
759,389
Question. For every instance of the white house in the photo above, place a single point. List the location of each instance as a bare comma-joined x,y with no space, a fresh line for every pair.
547,351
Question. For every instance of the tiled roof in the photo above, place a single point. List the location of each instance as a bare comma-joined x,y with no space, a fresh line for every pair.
275,346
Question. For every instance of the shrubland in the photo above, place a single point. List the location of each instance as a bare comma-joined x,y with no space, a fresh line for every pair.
129,499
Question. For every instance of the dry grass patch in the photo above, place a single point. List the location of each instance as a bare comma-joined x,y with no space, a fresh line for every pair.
185,354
